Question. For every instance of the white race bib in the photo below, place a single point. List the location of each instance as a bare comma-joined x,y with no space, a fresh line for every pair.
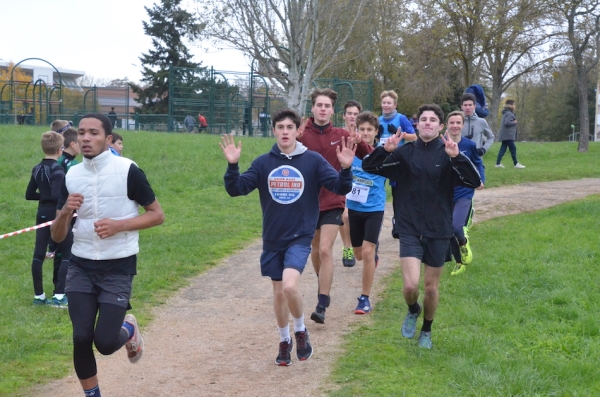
358,193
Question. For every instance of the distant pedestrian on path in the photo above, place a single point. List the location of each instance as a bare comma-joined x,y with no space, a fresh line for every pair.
112,116
289,179
508,134
189,123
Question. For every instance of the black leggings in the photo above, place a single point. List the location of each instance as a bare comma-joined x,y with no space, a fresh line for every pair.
108,336
61,262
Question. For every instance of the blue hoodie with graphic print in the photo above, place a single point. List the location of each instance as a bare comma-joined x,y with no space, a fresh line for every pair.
288,186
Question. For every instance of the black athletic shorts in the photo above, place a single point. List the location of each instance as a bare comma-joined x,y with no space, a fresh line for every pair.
108,288
431,251
364,226
330,217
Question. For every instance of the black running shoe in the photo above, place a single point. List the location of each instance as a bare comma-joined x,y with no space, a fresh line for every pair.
318,316
303,347
284,357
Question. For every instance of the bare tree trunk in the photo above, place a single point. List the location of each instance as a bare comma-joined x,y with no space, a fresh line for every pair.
584,128
495,104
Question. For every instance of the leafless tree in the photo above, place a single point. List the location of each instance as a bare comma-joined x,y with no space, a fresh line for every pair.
304,36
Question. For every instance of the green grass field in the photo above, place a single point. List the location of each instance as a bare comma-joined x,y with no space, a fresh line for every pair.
516,334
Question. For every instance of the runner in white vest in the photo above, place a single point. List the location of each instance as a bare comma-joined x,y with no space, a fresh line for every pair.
106,191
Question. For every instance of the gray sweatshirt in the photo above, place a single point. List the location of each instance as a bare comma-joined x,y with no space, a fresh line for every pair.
478,130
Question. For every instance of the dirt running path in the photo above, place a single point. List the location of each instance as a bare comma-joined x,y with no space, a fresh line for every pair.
218,336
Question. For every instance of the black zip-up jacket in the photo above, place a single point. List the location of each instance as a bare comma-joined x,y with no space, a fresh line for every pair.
46,180
426,177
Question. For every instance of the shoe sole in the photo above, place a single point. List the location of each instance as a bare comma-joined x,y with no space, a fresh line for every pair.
138,356
306,358
316,318
361,312
461,270
282,364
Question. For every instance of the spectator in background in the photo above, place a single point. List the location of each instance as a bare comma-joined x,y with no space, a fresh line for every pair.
202,123
475,128
112,116
29,117
116,145
265,119
189,123
414,121
508,134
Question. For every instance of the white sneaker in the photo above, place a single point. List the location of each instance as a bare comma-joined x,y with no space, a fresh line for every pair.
135,344
519,165
499,166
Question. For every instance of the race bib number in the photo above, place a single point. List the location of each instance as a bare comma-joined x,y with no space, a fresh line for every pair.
358,193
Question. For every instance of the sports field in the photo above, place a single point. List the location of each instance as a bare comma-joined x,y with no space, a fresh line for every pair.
502,336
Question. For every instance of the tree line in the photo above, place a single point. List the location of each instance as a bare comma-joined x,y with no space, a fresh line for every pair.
541,53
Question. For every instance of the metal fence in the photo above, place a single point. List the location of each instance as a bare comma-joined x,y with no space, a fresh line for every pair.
231,102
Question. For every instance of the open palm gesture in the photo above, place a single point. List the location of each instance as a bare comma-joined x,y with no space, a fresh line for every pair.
231,152
346,151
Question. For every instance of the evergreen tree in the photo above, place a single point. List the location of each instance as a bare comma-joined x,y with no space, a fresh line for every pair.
169,26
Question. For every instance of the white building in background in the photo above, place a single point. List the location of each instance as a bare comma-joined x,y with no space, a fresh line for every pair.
46,73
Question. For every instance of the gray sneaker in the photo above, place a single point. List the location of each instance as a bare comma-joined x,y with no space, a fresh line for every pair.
519,165
425,340
409,326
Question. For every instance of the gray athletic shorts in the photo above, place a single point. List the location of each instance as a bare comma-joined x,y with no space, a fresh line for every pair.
108,288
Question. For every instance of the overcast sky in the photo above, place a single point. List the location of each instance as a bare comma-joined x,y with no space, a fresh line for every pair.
103,38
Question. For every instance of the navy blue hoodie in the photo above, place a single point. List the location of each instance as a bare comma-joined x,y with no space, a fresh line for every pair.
289,187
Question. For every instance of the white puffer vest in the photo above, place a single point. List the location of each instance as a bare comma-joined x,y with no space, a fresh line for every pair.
103,183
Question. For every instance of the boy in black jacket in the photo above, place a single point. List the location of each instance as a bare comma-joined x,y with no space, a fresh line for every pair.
426,172
46,180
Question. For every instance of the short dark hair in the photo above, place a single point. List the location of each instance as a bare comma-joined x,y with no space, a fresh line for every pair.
328,92
367,117
434,108
468,97
70,136
352,103
116,137
509,102
286,113
106,124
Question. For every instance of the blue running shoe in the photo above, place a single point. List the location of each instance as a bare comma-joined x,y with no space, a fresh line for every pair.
364,306
304,349
425,340
284,357
409,326
60,303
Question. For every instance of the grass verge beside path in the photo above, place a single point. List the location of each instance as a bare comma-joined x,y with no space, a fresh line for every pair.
522,321
203,225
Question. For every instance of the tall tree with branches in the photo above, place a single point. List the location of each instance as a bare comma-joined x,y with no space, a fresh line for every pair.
305,36
581,26
169,26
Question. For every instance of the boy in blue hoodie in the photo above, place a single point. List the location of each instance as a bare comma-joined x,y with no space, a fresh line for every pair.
463,196
288,179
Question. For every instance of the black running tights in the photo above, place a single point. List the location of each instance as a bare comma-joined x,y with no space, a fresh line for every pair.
106,333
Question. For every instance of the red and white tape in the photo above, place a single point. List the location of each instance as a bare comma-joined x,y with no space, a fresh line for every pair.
28,229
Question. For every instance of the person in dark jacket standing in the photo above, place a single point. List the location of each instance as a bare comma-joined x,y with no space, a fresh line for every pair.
289,179
426,172
508,134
